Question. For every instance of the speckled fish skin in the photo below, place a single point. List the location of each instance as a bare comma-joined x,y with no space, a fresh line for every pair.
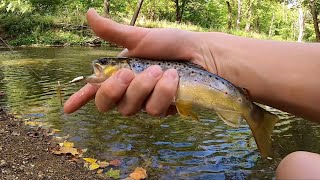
202,89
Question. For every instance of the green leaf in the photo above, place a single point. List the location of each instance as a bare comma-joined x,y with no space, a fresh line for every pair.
115,174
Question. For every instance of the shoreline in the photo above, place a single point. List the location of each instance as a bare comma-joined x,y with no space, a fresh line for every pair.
25,154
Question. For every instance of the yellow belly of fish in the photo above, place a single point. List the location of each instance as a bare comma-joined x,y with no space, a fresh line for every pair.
191,95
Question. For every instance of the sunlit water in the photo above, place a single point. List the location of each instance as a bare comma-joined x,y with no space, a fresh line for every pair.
169,148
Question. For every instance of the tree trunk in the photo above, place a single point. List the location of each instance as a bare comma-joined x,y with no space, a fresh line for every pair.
315,13
229,15
178,18
249,16
239,14
180,10
136,13
301,24
106,8
271,25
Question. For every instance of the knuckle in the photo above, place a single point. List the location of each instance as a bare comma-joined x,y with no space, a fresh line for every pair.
110,94
142,87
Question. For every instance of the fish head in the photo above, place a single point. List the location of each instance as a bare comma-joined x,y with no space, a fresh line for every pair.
108,66
105,67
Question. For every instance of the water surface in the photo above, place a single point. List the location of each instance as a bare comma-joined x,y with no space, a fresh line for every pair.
168,147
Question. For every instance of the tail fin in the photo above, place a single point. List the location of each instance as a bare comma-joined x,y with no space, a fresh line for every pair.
261,123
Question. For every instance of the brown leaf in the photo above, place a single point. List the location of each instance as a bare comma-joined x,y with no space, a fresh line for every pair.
66,150
115,162
99,171
103,164
138,174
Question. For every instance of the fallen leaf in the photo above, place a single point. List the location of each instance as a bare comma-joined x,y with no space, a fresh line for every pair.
84,150
93,166
103,164
138,174
66,150
115,162
53,132
31,123
18,116
35,123
68,144
56,130
90,160
115,174
99,171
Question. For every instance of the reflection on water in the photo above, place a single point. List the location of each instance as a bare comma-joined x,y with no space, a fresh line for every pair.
169,147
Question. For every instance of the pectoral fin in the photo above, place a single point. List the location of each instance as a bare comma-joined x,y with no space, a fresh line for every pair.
230,117
185,109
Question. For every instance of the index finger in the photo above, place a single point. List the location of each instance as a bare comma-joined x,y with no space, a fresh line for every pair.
80,98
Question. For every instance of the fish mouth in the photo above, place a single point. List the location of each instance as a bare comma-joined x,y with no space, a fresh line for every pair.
104,71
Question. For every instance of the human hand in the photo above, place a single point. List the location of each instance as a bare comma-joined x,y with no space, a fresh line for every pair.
152,89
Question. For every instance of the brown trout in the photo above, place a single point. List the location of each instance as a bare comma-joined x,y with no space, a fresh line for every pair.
199,88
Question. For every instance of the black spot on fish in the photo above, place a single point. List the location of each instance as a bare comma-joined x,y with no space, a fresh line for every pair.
210,75
133,65
222,82
216,78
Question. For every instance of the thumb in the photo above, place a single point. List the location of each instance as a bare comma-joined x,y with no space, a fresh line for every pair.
124,35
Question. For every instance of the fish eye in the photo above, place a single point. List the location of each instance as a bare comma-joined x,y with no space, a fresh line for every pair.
103,61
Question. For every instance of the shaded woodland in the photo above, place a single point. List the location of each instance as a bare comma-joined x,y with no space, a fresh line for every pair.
25,22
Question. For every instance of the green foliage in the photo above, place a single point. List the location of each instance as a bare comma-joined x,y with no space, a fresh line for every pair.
115,174
24,24
15,6
26,21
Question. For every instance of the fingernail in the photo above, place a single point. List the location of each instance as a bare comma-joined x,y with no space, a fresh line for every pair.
155,71
172,74
124,75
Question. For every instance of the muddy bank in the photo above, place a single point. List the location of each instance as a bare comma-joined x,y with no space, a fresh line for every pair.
25,154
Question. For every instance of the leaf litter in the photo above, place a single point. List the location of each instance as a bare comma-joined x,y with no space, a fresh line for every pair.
60,146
